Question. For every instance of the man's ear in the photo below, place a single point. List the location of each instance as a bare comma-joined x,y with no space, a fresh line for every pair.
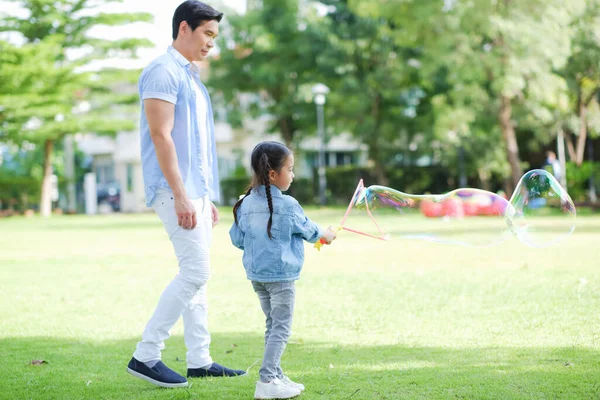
183,27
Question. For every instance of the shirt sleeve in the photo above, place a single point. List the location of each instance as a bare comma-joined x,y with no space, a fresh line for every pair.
237,236
305,227
158,82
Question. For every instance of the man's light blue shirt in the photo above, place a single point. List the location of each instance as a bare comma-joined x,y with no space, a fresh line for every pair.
169,78
279,259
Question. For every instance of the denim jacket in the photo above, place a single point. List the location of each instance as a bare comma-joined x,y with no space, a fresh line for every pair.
279,259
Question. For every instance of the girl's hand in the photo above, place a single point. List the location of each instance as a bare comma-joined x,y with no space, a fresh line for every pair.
328,236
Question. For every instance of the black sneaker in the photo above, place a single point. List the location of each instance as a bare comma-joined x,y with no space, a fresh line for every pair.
214,370
159,375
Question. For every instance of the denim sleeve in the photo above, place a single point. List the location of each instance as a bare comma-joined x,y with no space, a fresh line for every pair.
237,236
159,82
305,227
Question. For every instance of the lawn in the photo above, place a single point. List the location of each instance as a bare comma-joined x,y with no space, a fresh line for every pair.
402,319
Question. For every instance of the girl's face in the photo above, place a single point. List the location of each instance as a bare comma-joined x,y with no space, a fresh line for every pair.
284,178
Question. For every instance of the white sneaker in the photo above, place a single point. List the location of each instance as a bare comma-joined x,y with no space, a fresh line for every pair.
291,383
275,389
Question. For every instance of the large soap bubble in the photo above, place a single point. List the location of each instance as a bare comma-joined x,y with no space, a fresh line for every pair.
542,212
539,214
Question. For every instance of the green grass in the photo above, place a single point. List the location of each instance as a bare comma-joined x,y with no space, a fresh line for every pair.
403,319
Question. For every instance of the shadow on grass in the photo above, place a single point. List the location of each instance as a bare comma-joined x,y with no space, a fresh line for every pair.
96,370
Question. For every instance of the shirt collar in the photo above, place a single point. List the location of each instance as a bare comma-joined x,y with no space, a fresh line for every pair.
274,190
195,68
178,56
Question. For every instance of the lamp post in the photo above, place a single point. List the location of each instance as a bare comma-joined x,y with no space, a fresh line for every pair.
320,92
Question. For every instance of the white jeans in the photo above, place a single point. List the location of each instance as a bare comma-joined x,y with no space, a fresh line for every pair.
186,294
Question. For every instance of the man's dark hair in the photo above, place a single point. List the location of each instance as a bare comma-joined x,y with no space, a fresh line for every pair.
195,13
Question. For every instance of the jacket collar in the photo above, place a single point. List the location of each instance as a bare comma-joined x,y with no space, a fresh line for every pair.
274,190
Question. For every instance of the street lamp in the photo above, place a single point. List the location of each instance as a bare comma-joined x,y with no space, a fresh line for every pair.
320,92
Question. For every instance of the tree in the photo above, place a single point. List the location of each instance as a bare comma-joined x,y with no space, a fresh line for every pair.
375,93
509,48
582,73
45,83
267,67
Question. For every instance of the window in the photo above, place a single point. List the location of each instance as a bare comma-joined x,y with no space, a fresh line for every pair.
105,174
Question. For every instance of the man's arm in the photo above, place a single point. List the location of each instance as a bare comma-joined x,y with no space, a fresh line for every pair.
161,116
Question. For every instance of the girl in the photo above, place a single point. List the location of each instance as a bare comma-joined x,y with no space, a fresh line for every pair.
269,227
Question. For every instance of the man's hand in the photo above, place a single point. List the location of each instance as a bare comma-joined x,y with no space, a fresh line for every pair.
215,214
186,212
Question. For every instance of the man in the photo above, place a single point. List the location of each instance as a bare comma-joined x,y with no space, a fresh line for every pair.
553,163
179,165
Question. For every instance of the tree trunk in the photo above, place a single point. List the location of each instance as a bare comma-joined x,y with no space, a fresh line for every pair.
570,147
484,178
379,170
510,141
45,200
582,132
287,132
374,145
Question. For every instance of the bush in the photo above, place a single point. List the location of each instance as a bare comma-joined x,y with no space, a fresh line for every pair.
341,181
18,192
578,179
419,180
232,188
303,190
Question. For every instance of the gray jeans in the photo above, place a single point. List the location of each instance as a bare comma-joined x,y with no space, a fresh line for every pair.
277,302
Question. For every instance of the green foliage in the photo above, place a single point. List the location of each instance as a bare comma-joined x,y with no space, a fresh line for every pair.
376,95
305,191
43,86
578,179
233,188
18,192
302,190
580,116
43,106
341,181
405,76
486,51
21,175
268,67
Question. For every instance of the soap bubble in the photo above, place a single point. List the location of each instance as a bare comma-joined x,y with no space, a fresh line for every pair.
542,212
539,214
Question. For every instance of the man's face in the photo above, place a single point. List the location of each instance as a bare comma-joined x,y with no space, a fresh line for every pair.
202,39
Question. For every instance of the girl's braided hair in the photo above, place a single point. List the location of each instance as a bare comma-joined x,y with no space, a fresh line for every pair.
266,157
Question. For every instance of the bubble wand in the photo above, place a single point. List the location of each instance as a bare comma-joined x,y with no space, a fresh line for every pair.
360,187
